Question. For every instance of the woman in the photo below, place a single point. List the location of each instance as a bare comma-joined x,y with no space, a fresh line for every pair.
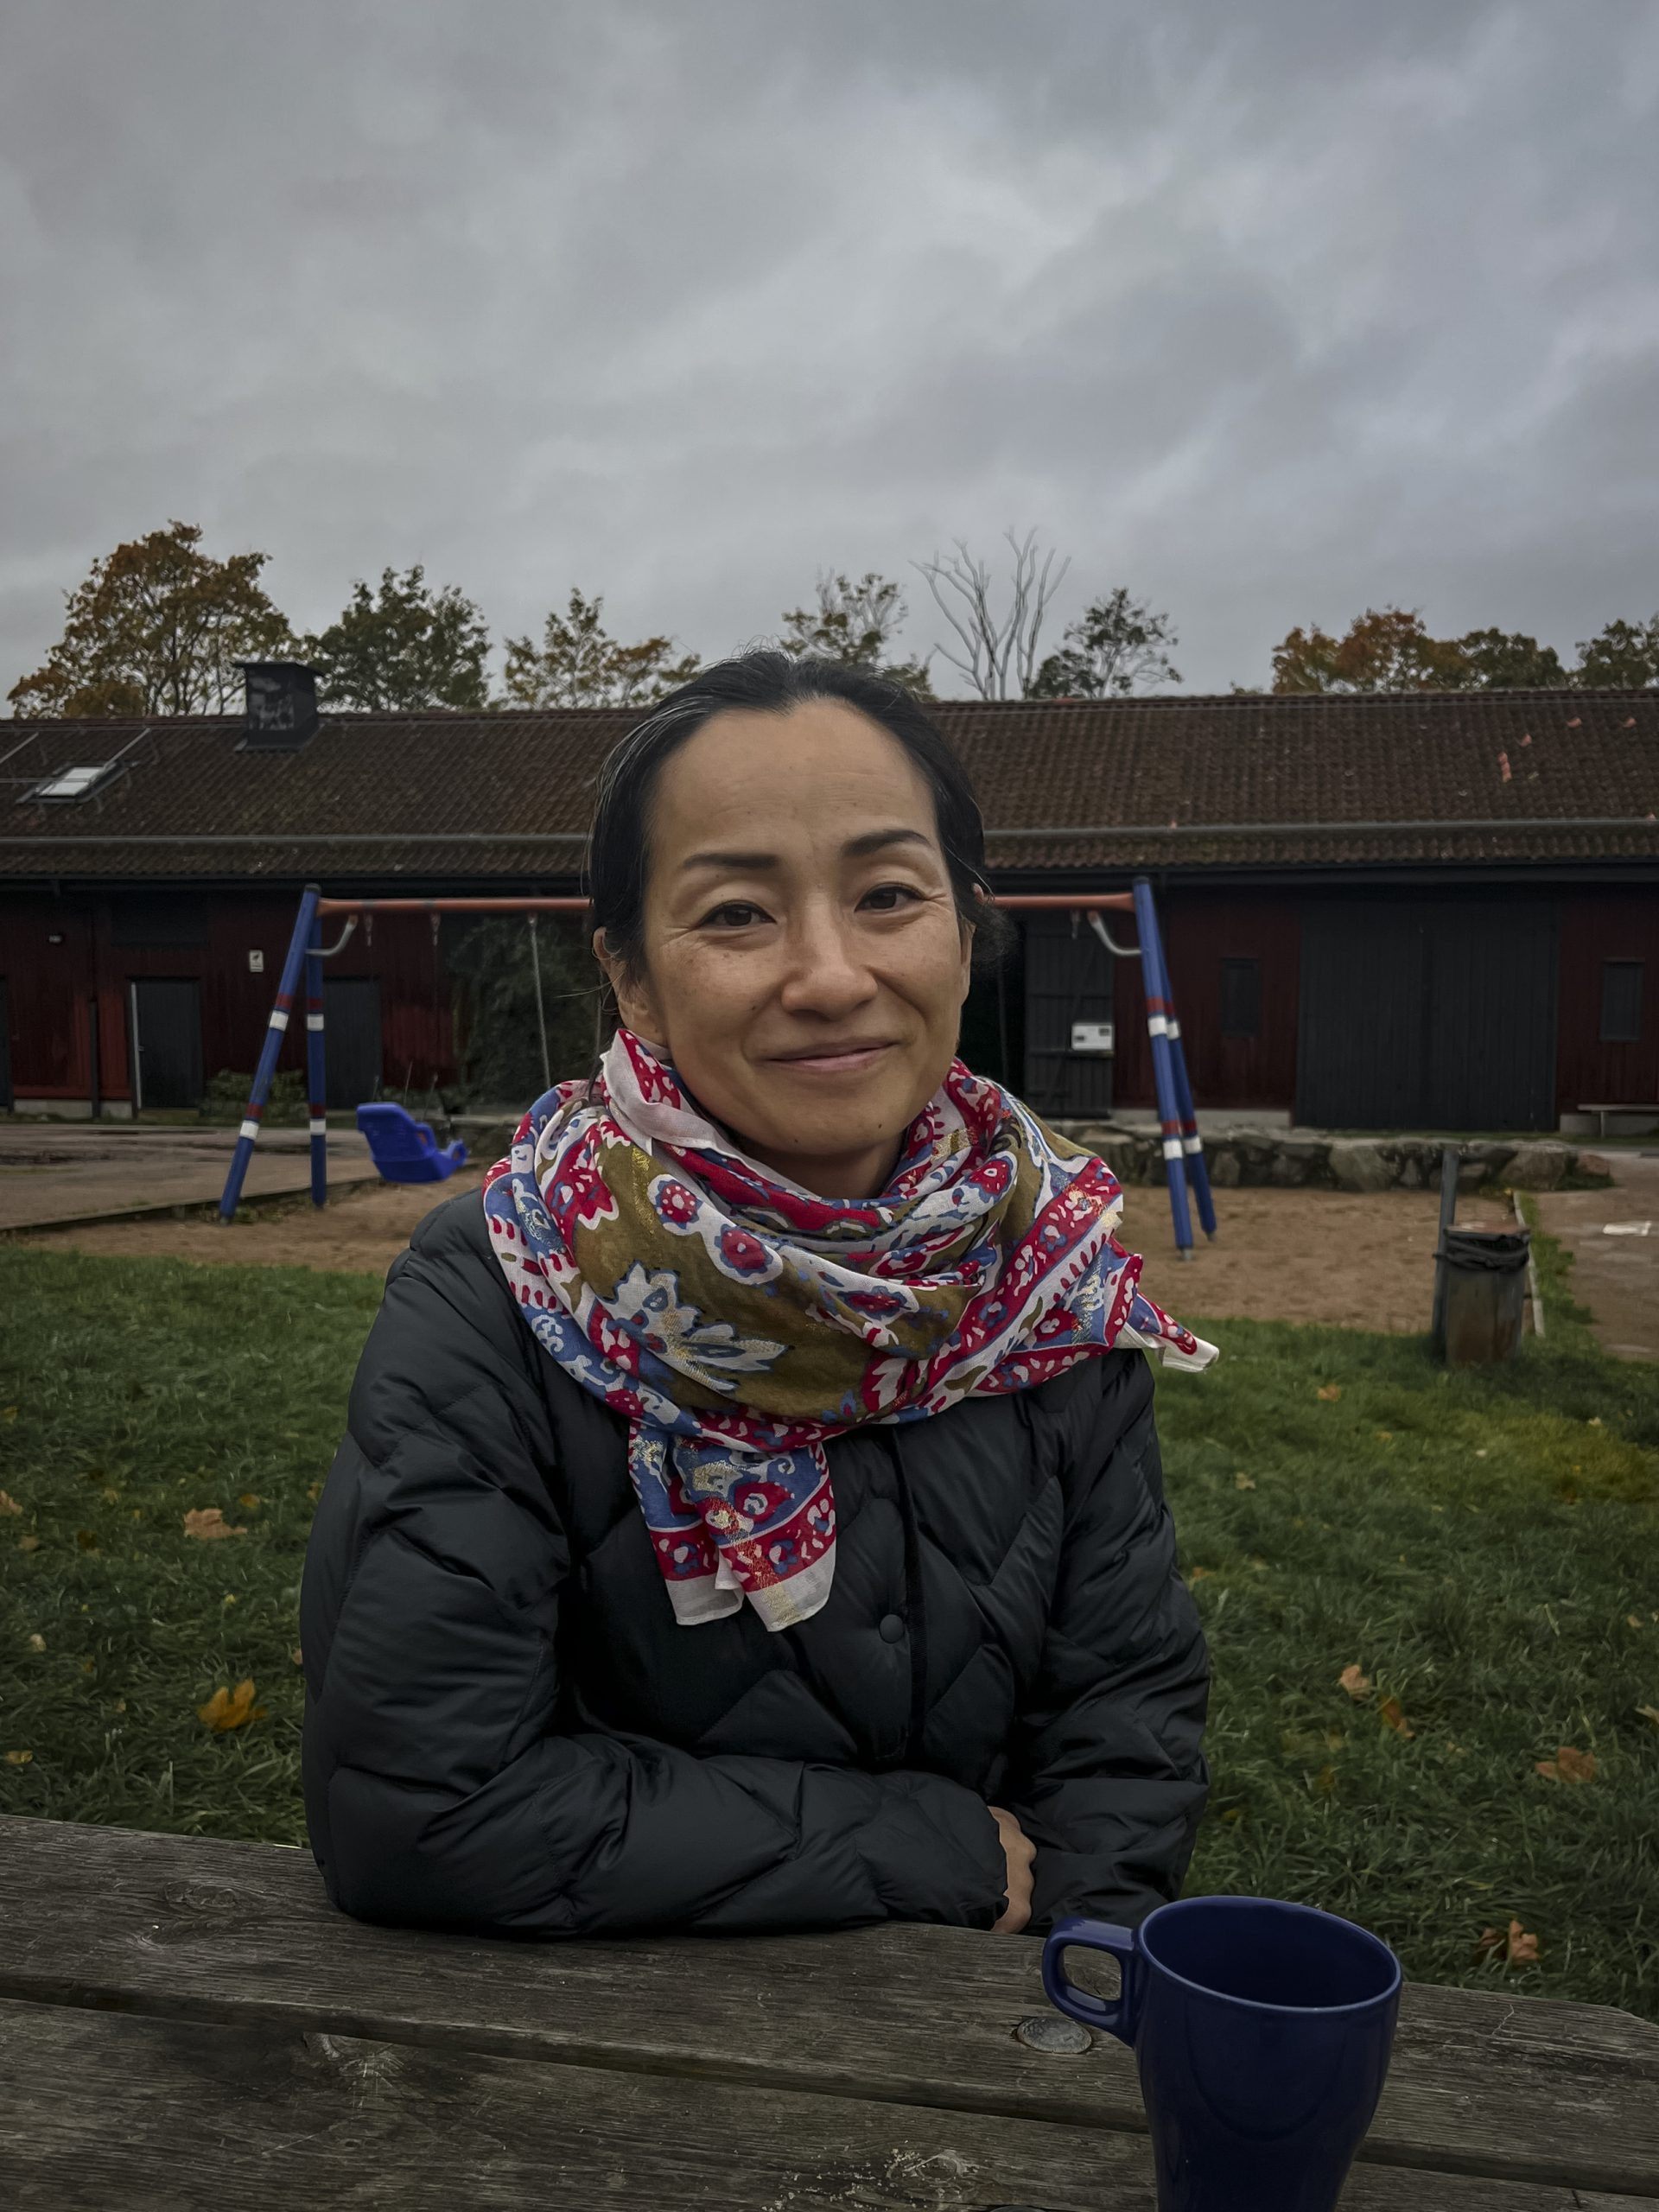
750,1516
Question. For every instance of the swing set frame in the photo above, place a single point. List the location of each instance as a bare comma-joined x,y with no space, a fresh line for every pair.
1182,1148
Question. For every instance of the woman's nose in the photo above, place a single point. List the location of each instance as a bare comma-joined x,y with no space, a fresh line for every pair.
826,975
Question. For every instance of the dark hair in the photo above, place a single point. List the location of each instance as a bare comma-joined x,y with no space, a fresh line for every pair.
768,682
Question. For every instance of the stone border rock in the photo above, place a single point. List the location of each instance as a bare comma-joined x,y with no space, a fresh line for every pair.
1293,1159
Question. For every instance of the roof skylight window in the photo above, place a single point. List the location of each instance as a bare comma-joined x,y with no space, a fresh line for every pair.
74,782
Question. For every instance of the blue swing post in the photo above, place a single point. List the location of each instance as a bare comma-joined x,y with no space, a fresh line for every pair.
1156,985
316,1083
1198,1172
275,1029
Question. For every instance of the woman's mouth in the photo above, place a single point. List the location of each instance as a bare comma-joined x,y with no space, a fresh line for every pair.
849,1058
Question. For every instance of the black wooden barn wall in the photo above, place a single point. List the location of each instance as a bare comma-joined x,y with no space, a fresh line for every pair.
1428,1013
1069,976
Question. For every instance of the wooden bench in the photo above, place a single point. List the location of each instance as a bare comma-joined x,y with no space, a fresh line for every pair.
1602,1112
187,2024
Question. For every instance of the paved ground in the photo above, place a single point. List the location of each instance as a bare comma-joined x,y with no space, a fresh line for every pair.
61,1172
1617,1277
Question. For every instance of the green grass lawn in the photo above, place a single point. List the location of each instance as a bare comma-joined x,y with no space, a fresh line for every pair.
1482,1548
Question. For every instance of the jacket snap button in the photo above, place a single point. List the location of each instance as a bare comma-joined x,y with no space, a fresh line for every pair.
893,1628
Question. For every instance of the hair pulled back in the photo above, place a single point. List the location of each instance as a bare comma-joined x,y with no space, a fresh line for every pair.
769,682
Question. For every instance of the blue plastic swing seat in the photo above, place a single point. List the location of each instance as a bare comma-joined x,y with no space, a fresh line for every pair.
405,1150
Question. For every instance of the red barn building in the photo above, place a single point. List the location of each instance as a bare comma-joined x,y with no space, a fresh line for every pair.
1414,910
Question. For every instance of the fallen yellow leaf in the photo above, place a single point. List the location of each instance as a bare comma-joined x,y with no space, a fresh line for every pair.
1519,1948
1634,1620
37,1643
1356,1683
1392,1716
28,1543
1650,1712
297,1656
18,1758
207,1521
1243,1482
230,1708
315,1490
8,1504
1568,1765
1329,1391
251,1499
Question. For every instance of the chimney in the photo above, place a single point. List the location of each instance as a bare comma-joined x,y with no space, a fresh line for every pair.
282,712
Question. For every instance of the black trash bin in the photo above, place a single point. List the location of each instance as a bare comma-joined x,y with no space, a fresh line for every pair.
1484,1309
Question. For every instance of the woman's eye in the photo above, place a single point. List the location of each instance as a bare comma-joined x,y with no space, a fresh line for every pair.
735,914
887,896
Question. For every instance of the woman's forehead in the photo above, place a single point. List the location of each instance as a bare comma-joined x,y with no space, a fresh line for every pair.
822,763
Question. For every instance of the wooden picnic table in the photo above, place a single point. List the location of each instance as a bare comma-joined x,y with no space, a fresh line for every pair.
187,2022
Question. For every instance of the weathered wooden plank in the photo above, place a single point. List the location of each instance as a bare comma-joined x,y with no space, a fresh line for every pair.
169,2115
210,1930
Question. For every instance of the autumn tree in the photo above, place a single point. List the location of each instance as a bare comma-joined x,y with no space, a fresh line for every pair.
998,632
1504,660
1624,654
1117,646
1386,651
579,664
856,623
404,647
157,628
1392,652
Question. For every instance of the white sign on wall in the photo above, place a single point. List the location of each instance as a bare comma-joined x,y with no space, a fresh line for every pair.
256,964
1091,1037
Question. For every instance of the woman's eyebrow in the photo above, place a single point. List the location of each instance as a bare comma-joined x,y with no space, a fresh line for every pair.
876,841
741,863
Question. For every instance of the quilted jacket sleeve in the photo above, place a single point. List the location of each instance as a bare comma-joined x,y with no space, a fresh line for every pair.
1110,1777
441,1790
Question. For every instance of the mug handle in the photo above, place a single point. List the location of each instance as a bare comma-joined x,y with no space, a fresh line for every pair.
1112,2016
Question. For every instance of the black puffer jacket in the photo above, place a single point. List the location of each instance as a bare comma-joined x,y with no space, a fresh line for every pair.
507,1731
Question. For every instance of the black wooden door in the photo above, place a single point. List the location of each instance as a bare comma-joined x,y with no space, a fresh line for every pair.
351,1030
1429,1014
1070,979
5,1045
166,1021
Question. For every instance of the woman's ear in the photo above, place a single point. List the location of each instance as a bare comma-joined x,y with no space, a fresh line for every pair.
635,1000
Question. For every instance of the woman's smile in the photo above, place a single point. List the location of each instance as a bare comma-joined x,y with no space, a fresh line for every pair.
850,1058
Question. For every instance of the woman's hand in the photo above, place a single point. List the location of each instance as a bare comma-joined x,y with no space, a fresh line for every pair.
1020,1851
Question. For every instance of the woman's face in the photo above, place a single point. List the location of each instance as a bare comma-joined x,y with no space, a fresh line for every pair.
803,963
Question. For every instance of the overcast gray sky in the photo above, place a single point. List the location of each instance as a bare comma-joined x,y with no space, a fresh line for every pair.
1268,312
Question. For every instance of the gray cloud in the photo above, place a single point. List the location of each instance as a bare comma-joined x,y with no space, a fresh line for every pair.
1342,305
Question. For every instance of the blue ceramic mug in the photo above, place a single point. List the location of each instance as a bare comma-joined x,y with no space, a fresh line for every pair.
1261,2032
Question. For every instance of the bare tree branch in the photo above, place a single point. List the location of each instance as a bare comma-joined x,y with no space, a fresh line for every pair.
1000,650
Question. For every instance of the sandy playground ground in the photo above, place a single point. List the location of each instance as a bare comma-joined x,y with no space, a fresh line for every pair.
1364,1261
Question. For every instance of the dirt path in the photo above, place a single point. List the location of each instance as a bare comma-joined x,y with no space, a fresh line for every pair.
1361,1262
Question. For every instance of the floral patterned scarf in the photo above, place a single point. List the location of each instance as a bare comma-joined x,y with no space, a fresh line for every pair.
738,1320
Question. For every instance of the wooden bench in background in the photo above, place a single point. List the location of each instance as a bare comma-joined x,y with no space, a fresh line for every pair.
1647,1113
188,2023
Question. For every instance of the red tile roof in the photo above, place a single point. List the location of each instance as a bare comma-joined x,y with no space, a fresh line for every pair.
1245,780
